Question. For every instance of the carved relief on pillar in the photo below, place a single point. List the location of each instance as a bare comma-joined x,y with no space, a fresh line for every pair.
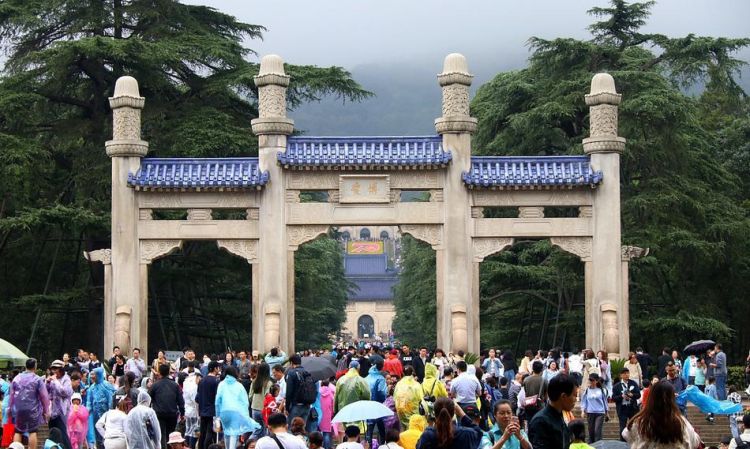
579,246
126,124
122,328
154,249
100,255
199,214
297,235
633,252
610,333
459,327
455,100
272,326
432,234
603,120
247,249
485,247
273,103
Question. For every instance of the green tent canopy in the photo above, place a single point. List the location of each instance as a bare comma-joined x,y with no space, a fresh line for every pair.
11,356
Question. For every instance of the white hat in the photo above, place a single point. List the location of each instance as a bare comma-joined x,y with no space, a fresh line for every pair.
175,437
15,445
75,396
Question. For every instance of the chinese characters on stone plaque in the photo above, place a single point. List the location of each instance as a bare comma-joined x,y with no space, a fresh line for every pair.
364,188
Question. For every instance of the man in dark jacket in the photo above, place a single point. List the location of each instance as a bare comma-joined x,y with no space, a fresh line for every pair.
625,393
644,359
167,402
547,430
661,362
206,399
419,362
407,357
294,379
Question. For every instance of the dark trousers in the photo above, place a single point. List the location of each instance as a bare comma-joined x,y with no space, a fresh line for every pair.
59,422
207,436
596,426
167,424
371,424
623,415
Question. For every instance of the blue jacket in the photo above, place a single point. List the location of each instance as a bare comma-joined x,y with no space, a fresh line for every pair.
378,389
206,396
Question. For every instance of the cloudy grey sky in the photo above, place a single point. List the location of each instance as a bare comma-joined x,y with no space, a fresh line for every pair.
394,48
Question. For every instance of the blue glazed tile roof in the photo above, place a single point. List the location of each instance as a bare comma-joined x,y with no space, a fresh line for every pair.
373,289
198,174
514,172
332,153
371,277
365,264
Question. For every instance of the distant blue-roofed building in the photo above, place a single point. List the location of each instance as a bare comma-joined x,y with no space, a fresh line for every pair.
370,308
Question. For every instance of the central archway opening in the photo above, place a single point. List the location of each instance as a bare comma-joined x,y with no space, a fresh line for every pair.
365,326
532,296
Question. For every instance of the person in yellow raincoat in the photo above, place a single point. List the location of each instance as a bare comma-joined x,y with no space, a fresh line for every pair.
407,395
350,388
432,388
408,439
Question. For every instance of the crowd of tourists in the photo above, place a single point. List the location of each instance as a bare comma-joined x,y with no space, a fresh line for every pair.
271,401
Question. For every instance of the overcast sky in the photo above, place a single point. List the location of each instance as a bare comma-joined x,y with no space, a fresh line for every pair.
353,32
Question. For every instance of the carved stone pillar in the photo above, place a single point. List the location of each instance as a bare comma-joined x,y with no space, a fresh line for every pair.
105,257
126,150
605,146
272,128
456,126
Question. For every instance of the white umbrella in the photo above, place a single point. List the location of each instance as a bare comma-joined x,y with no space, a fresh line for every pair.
362,411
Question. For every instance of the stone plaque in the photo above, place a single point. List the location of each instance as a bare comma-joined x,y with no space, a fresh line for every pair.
364,189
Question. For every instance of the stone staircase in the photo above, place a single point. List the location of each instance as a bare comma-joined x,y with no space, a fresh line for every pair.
710,432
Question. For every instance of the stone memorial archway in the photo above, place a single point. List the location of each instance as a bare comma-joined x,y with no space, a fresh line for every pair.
364,178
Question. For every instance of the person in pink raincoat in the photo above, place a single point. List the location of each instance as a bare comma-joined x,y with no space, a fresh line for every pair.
78,422
327,392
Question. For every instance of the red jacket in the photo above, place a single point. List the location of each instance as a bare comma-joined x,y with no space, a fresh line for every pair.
393,366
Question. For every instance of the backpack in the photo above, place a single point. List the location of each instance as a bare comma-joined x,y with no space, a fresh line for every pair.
741,444
307,391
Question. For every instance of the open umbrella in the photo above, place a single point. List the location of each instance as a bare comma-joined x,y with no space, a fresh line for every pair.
610,444
362,411
320,368
699,347
10,355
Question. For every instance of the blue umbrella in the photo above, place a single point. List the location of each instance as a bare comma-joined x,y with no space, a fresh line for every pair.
362,411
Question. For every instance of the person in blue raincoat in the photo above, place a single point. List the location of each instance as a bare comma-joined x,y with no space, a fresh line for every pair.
232,407
99,399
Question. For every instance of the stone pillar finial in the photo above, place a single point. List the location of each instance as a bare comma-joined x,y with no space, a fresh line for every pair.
455,81
603,101
272,83
126,107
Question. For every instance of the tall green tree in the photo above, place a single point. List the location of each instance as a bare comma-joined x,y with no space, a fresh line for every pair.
63,58
684,182
414,296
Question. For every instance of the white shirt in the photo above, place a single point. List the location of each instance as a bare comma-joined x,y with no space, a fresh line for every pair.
745,436
349,445
574,363
287,440
112,425
466,388
282,392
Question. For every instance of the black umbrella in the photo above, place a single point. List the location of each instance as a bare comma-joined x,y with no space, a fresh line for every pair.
320,368
699,347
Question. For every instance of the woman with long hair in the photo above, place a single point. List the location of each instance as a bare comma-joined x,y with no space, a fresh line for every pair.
258,390
594,407
660,425
446,434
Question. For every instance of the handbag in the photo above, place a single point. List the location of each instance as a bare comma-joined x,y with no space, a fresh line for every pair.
535,400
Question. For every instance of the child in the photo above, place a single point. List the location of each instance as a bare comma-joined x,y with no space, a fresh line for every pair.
78,422
270,405
578,432
315,440
646,391
711,392
735,397
352,439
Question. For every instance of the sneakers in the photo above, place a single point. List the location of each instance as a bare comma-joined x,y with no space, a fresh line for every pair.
710,418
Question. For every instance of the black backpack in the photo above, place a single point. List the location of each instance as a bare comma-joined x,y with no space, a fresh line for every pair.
307,391
741,444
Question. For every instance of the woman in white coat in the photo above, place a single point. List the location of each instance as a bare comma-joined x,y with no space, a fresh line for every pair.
111,426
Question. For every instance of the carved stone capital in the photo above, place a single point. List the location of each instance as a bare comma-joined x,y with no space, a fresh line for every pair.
432,234
154,249
633,252
123,148
272,126
277,79
297,235
126,101
603,98
446,79
100,255
579,246
247,249
456,124
604,144
485,247
199,214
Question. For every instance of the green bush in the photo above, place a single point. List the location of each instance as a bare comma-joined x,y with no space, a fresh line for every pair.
736,377
615,366
470,358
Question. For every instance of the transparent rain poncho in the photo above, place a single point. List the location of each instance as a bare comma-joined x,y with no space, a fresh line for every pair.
408,395
142,426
